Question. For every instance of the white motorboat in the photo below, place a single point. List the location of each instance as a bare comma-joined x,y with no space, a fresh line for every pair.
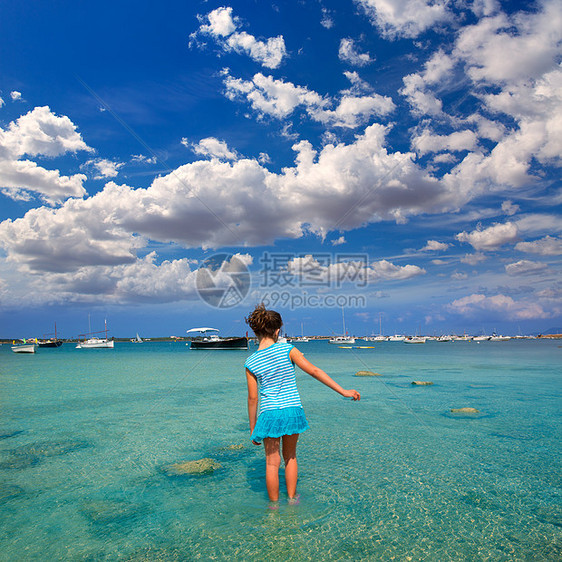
445,339
375,338
495,337
481,338
24,348
214,341
342,340
396,337
415,339
462,338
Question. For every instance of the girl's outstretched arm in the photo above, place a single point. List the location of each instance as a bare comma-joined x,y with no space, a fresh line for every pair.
300,361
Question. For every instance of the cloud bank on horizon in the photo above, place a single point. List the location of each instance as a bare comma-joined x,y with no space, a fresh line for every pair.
434,145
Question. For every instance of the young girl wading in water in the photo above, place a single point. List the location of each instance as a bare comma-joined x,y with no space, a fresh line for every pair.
270,373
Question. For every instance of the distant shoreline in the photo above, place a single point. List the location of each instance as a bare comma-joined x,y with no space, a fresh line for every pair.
314,338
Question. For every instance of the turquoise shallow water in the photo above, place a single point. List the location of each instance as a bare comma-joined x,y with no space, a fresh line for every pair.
86,437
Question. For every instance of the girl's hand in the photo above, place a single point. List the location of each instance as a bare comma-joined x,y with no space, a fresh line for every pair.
255,442
353,394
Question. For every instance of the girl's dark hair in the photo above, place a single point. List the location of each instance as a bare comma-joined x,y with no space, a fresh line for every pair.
264,322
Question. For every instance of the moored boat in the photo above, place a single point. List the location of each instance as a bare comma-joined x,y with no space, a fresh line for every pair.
396,337
214,341
95,342
24,347
496,337
345,339
50,342
342,340
415,339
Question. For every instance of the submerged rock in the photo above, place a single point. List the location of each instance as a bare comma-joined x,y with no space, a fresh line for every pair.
32,454
367,374
201,466
6,434
19,462
422,383
50,448
110,511
9,491
465,411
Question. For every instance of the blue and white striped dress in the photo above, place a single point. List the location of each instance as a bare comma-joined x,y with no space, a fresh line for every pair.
280,408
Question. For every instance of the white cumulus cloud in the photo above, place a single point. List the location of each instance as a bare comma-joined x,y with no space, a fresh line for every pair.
348,53
39,133
490,238
213,148
103,168
434,246
222,26
547,246
476,304
405,18
524,267
279,99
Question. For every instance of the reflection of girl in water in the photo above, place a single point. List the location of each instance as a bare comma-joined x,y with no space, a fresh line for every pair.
270,373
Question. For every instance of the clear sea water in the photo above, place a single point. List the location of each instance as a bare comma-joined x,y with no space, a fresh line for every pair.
86,437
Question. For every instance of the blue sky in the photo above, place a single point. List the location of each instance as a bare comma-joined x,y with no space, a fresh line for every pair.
398,159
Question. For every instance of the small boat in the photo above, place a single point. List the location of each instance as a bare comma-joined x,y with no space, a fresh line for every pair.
495,337
24,347
302,338
445,339
415,339
462,338
396,337
342,340
339,340
50,342
95,342
214,341
481,338
138,339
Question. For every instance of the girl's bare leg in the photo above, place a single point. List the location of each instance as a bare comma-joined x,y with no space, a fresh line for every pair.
291,467
272,463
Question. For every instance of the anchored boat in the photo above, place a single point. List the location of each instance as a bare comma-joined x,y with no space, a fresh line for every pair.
214,341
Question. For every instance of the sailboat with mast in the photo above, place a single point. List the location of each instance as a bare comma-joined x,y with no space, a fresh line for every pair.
94,342
50,342
380,337
345,339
